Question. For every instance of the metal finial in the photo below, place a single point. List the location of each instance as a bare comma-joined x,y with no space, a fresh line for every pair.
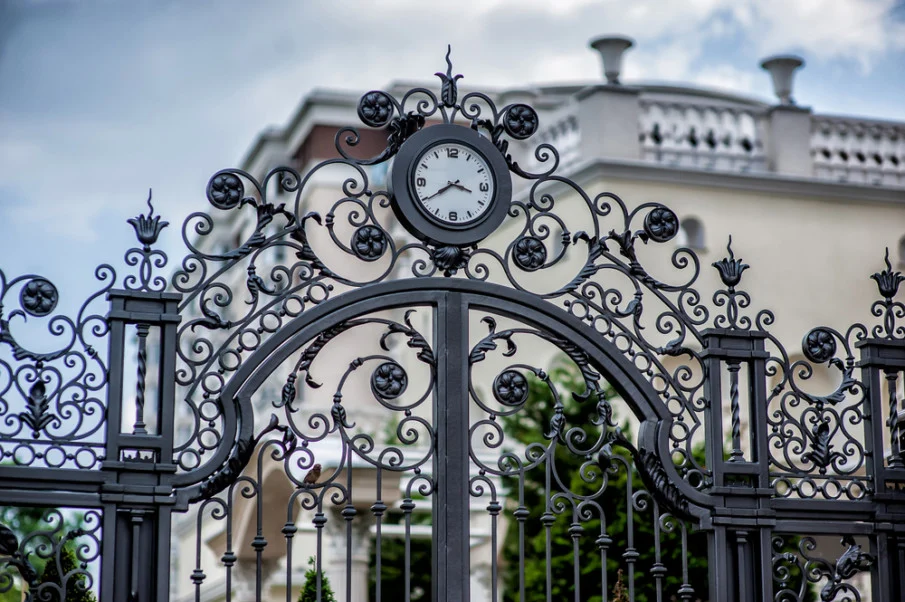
730,268
448,61
147,227
448,92
888,281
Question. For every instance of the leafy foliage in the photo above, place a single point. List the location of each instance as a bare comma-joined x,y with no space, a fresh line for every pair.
309,590
73,580
24,521
528,427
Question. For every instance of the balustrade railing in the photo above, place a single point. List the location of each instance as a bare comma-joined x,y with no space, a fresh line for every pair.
858,151
690,134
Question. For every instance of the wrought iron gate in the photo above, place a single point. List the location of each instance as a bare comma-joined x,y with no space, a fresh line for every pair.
554,412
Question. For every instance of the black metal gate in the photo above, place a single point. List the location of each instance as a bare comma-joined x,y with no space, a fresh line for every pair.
530,403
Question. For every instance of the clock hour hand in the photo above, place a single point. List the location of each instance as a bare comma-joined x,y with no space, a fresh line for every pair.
459,186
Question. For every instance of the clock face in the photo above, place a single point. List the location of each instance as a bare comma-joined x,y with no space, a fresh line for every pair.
453,184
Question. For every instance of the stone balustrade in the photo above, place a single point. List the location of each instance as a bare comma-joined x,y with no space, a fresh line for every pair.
858,151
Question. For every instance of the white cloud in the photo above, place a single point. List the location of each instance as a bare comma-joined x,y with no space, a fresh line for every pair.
858,30
729,78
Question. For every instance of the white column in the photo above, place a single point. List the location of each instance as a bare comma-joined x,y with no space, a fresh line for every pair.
608,122
790,141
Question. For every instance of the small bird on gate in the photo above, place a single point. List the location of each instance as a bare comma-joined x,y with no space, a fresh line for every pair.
313,475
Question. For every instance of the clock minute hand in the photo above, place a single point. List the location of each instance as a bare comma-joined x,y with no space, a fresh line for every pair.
444,189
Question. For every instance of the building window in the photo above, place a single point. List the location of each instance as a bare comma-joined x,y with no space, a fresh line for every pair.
902,252
691,234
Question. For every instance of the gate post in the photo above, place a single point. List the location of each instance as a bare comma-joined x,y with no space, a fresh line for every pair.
138,499
739,543
882,362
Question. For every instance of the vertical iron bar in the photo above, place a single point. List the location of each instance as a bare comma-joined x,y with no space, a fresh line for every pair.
289,530
407,506
895,460
547,519
320,519
603,544
139,428
745,576
494,509
349,513
685,590
736,455
521,515
631,554
575,532
658,569
136,550
451,549
378,509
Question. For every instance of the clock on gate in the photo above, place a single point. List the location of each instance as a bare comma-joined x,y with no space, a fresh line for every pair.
450,185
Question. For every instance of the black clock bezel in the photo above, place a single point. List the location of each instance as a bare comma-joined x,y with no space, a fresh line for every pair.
409,209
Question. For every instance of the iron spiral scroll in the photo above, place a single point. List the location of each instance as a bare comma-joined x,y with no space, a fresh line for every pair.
663,374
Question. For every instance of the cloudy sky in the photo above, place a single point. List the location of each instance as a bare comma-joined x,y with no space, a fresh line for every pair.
100,100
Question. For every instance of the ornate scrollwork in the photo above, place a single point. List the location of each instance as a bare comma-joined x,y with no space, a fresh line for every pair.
794,572
730,270
51,545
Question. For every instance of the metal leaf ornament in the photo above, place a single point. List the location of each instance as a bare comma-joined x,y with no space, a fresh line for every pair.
448,91
36,415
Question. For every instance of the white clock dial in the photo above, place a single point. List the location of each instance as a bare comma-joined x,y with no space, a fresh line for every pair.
453,183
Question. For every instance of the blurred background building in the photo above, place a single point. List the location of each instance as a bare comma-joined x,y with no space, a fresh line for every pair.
811,201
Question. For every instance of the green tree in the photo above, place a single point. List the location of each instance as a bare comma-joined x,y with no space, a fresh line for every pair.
309,590
25,521
76,582
528,427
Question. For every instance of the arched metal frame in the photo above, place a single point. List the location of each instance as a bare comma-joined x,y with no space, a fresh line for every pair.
812,465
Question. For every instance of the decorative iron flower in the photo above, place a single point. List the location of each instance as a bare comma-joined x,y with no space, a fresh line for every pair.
147,227
389,380
38,297
369,243
520,121
730,268
887,280
530,253
819,345
661,224
225,191
375,108
450,259
510,388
